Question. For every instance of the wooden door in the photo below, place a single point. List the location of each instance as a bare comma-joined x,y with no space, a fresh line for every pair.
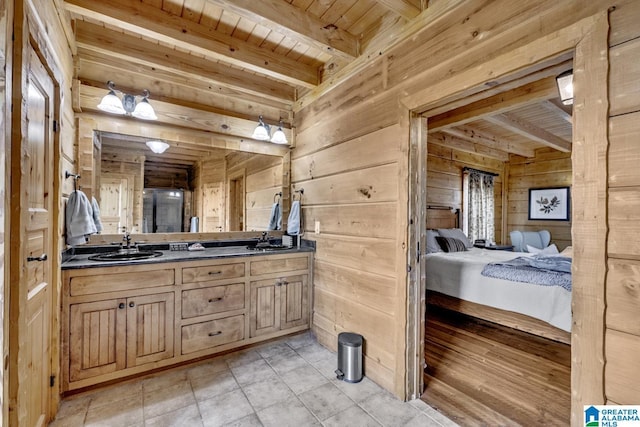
116,204
236,202
97,338
150,322
212,208
294,301
265,307
34,362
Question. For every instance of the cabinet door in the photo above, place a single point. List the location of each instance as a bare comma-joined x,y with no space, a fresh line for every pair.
150,323
265,307
294,304
97,333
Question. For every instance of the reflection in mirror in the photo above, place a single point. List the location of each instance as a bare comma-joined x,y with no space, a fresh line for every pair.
189,187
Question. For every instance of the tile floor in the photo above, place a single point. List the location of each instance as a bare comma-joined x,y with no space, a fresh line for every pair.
289,382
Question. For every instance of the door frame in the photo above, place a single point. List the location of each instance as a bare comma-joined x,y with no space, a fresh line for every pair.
587,38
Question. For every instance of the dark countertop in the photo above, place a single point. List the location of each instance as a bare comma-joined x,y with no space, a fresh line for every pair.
80,259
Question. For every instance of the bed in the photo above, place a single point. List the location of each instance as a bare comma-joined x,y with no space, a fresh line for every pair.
454,281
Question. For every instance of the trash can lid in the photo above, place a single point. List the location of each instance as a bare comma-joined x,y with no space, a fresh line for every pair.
350,339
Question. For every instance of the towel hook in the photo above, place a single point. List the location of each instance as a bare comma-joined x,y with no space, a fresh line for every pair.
300,193
275,196
75,176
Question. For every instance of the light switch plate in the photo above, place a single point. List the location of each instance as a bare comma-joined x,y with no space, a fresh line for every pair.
317,228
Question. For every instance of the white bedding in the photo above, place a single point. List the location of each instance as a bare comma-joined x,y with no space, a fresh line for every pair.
457,274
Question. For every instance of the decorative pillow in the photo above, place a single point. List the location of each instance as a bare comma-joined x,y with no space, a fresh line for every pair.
432,244
450,244
552,249
568,252
455,233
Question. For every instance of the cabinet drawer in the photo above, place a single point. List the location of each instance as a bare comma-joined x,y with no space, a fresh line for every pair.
211,334
212,272
135,280
279,265
215,299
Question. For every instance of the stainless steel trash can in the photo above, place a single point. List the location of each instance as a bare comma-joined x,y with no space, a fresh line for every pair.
349,357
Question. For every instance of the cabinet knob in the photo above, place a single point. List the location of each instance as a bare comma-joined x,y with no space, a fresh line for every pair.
132,304
215,299
121,305
284,282
213,334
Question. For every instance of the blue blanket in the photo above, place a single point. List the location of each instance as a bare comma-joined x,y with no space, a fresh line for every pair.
538,269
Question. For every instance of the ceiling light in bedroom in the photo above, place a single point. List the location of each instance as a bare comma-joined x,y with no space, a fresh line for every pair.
565,87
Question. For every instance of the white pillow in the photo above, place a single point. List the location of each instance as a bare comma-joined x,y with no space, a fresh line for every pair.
432,244
455,233
552,249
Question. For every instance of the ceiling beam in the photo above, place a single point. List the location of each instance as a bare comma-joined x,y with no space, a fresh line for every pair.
178,115
403,8
556,109
296,24
112,44
450,141
470,134
205,139
165,27
529,130
534,92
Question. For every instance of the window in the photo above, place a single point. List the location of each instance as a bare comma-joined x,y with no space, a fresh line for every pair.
478,205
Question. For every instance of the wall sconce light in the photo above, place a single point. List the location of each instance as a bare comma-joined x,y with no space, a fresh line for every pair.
262,132
157,147
128,105
565,87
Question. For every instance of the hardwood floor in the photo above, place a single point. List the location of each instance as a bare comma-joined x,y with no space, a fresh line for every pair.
481,373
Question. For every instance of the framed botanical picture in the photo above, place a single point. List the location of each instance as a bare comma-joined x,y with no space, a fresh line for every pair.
549,204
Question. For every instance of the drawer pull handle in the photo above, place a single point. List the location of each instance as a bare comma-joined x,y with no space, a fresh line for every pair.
213,273
42,257
215,299
213,334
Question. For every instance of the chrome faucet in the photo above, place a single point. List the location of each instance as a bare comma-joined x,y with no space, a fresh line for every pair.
127,240
263,240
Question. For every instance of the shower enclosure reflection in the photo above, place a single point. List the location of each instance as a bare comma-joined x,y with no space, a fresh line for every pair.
163,210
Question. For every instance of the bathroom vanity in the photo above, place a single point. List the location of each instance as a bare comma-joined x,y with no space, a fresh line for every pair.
122,319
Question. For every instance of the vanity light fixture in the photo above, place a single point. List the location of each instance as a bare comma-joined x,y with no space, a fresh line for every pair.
127,105
157,147
262,131
565,87
278,136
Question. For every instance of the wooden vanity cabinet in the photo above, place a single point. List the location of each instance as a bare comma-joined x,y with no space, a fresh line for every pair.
120,321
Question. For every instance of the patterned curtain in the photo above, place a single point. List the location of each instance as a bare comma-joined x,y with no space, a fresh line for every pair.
480,216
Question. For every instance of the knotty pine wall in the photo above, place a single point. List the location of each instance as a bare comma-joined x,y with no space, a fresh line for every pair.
209,193
118,166
444,179
549,168
263,178
622,329
5,141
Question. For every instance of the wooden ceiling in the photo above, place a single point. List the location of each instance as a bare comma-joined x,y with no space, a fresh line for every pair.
216,65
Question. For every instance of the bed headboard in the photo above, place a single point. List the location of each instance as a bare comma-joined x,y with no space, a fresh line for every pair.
442,217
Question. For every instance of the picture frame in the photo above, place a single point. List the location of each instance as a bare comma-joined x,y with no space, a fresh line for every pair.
550,204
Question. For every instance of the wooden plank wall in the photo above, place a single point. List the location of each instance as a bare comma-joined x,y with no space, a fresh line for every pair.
549,168
444,179
5,141
210,174
116,166
622,332
263,178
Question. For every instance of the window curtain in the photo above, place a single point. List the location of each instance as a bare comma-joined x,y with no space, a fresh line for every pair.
480,215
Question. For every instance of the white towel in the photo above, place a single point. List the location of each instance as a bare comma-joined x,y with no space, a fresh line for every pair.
275,219
79,218
96,214
293,224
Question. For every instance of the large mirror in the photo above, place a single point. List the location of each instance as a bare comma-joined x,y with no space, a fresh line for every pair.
186,188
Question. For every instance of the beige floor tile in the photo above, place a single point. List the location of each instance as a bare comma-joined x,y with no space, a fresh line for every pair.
325,401
326,366
290,413
71,420
125,412
358,391
422,420
243,357
300,340
253,372
130,391
303,379
74,406
388,410
161,401
188,416
208,368
164,379
274,349
286,362
314,352
224,409
266,393
248,421
206,387
353,416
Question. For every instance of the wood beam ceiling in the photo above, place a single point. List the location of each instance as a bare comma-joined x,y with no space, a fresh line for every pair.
404,8
450,141
157,24
109,44
470,134
295,23
527,129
